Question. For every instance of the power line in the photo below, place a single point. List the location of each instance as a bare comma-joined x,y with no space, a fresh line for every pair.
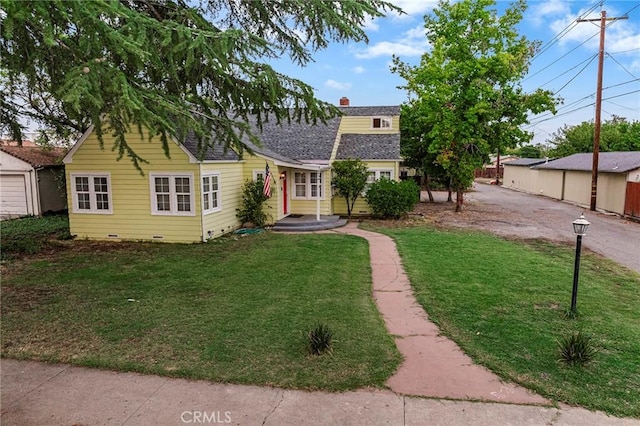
567,71
582,107
561,57
621,66
575,76
545,114
564,31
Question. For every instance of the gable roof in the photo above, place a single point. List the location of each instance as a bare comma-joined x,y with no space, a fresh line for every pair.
384,146
35,155
525,162
299,141
611,162
371,110
215,153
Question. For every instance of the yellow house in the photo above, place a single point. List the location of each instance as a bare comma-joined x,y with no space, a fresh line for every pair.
187,198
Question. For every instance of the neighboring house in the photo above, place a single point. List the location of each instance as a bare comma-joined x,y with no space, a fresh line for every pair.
186,198
31,181
490,170
569,178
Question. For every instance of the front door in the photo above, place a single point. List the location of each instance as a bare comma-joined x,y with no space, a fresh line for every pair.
285,204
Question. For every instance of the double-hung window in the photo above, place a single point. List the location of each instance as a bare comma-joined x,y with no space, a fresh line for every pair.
377,174
172,194
91,193
307,185
381,123
211,193
374,175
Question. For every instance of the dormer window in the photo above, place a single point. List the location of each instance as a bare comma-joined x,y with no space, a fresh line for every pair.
381,123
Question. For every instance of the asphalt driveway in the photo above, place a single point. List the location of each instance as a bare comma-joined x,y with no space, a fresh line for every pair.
517,214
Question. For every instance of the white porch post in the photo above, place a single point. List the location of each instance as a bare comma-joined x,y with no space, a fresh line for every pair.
318,197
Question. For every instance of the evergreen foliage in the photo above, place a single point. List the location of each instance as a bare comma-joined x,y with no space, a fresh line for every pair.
166,66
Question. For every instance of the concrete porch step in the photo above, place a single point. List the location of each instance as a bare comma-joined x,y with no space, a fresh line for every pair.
308,223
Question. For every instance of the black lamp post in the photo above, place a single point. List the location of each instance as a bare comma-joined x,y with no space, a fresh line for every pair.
580,226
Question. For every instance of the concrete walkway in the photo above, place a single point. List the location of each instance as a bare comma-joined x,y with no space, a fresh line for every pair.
433,365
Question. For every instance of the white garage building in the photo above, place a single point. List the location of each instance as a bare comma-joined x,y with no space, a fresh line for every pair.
31,181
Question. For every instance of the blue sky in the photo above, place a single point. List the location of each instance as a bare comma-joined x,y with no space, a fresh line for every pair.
567,66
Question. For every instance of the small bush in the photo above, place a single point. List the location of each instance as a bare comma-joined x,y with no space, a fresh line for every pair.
576,348
252,202
391,199
320,338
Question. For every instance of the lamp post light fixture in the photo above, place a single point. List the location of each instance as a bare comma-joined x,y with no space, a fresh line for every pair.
580,226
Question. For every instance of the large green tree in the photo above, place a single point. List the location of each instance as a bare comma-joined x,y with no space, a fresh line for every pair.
166,65
467,87
415,144
349,181
616,134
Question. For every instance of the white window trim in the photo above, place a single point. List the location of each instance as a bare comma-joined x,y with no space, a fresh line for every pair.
308,185
258,172
92,199
219,195
172,195
382,118
378,172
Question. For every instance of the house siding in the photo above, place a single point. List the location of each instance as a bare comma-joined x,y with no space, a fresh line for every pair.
130,193
273,207
225,220
362,125
361,207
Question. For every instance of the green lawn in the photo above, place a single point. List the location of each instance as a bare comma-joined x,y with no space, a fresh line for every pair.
233,310
504,303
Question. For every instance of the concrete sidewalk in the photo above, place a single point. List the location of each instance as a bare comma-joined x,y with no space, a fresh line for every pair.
41,394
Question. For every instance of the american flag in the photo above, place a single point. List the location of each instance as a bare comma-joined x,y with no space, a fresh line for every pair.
266,190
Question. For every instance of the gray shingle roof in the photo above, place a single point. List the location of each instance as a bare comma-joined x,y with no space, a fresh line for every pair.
371,110
369,147
300,141
611,162
212,154
525,162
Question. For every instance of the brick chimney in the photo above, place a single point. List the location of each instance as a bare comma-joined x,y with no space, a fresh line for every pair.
344,101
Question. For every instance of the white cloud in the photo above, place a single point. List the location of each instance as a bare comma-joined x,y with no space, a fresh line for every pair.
332,84
370,24
413,8
412,43
358,69
542,11
620,36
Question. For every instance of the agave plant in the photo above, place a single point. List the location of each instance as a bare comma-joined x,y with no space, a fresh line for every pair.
320,338
576,348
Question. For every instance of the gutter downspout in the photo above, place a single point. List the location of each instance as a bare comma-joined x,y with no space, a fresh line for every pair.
37,177
204,239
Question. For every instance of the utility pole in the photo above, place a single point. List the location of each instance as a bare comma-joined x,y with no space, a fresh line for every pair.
596,133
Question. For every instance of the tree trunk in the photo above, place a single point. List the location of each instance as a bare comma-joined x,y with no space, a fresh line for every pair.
459,199
498,168
428,187
449,197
